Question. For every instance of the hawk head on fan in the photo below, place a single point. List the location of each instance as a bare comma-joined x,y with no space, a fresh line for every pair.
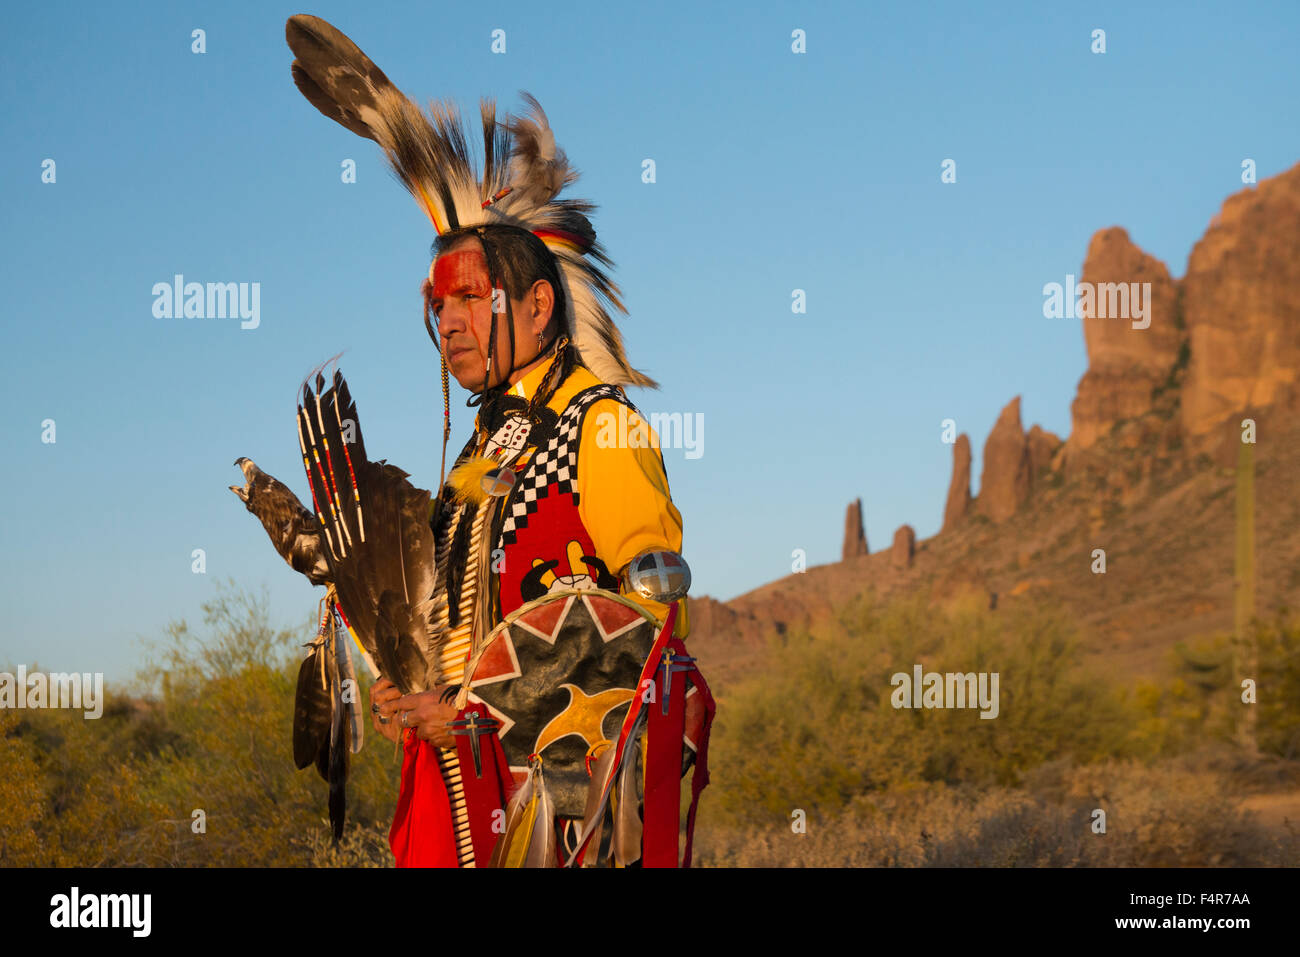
294,531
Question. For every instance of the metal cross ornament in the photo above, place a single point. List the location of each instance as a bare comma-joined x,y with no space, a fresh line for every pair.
475,727
668,665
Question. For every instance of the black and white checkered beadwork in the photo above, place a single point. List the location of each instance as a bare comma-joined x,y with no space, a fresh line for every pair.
554,469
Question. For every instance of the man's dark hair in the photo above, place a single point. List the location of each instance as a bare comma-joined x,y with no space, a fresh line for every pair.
518,256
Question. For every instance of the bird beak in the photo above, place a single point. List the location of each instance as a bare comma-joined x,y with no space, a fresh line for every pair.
248,468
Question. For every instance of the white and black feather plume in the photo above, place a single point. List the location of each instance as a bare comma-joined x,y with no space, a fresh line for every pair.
524,171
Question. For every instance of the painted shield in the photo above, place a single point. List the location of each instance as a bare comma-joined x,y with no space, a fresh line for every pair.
559,674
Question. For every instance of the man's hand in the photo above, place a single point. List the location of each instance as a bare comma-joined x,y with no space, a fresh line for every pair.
384,695
430,718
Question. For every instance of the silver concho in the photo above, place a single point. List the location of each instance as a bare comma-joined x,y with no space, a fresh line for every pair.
498,482
659,576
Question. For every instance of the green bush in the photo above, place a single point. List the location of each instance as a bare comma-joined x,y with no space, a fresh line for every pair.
812,730
209,730
817,727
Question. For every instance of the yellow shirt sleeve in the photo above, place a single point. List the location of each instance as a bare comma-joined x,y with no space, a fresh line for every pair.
623,497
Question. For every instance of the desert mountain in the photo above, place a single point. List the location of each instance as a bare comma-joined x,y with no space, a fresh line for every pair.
1147,473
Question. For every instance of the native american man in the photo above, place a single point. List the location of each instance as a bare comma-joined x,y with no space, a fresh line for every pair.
543,679
589,526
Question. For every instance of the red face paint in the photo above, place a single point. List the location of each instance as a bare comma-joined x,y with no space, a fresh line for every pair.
461,278
460,273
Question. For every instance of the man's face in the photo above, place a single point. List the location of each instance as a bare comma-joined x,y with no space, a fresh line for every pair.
462,301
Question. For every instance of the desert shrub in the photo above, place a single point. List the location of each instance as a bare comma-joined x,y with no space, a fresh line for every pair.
1156,815
813,731
817,727
1277,651
24,797
209,729
1203,703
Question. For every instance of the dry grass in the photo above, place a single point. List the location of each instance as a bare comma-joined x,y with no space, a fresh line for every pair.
1162,815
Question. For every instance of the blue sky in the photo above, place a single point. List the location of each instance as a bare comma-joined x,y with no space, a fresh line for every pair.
775,171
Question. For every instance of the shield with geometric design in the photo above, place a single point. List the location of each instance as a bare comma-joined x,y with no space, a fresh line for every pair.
559,674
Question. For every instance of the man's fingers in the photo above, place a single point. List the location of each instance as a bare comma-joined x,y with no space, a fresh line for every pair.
383,701
413,702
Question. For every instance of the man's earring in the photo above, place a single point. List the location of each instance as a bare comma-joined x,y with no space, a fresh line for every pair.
539,340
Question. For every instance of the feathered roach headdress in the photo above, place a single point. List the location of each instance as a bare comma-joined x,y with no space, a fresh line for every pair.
523,171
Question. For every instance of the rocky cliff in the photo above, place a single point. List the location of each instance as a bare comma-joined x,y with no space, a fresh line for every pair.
855,534
1241,301
1146,474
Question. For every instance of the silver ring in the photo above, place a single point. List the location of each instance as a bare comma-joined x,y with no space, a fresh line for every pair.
374,708
404,714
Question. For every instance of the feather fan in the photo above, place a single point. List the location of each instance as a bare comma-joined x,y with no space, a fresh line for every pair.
381,545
